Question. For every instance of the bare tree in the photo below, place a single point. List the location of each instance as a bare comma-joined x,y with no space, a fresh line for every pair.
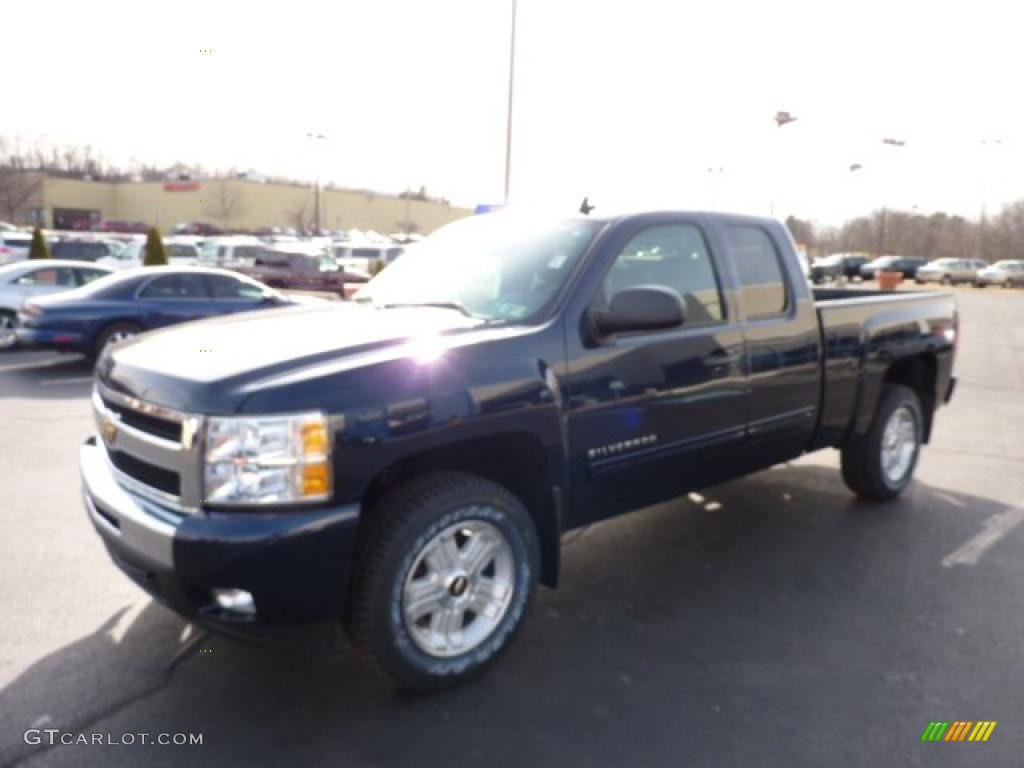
225,203
20,192
301,217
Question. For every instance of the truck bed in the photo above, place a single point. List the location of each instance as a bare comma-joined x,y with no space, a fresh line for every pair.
862,332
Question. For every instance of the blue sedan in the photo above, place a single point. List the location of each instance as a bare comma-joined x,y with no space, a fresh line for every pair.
137,300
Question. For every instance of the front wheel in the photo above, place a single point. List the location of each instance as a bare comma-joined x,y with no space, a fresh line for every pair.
443,578
879,465
8,321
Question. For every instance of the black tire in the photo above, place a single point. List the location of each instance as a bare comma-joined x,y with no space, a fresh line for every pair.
8,322
399,529
110,332
862,459
947,280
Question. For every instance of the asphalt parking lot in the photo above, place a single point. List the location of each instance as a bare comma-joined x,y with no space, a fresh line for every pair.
773,621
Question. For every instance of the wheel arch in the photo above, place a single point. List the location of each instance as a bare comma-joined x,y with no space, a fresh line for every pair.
517,461
919,373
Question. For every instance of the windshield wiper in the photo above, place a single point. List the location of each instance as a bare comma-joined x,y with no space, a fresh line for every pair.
456,305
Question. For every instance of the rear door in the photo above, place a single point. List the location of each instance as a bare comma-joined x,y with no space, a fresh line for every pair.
652,414
174,298
781,335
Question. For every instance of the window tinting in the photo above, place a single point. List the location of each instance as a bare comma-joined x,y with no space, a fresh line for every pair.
185,286
676,257
759,271
224,287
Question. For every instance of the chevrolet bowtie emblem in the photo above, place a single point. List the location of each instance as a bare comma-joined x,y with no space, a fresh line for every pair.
108,428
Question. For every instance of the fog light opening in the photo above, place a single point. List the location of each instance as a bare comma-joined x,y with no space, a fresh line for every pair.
236,601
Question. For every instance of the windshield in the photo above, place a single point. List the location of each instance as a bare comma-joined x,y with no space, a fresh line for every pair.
496,266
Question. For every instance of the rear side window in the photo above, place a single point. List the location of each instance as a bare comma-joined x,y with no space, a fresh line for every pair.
86,276
186,286
759,270
224,287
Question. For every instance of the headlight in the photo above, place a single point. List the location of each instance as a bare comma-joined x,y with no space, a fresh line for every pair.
267,459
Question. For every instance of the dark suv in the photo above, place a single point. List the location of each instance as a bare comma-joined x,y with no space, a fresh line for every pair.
907,266
83,250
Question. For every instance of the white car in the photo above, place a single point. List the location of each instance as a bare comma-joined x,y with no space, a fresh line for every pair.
14,246
35,278
134,253
237,251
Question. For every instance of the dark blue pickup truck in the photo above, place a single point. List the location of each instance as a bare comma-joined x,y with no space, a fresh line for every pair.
406,464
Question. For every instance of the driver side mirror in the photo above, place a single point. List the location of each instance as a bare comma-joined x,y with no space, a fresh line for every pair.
644,308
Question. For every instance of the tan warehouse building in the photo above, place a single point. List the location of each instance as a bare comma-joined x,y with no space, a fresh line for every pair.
232,204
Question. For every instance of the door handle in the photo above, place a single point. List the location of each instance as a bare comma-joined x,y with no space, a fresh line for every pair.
719,358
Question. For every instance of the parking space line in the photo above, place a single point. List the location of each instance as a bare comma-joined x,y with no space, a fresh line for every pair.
995,529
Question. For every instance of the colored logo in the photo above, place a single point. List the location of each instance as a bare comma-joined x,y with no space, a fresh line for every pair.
958,730
108,428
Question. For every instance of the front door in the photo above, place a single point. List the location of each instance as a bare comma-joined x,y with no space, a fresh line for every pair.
654,414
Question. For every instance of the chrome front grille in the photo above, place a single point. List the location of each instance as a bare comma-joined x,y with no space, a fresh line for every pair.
153,450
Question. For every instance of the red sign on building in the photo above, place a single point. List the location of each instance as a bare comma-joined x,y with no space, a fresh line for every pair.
181,186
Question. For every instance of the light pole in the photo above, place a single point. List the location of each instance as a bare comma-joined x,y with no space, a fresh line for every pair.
511,83
316,185
715,174
885,212
782,118
985,143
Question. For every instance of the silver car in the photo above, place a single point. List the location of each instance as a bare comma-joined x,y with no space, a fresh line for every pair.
35,278
1007,273
950,271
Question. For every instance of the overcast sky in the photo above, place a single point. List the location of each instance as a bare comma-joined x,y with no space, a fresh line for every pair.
630,102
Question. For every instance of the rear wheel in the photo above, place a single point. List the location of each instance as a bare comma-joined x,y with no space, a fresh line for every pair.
8,320
443,578
879,465
113,334
947,280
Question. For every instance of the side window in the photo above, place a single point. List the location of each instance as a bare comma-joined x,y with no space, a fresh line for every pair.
224,287
759,270
50,276
674,256
86,276
184,286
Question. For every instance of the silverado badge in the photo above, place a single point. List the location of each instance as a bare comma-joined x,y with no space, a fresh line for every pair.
108,428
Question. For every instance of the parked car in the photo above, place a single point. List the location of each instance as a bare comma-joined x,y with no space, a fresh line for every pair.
231,251
949,271
134,255
28,279
197,228
1007,273
408,462
282,268
837,265
135,300
126,227
14,246
907,266
86,249
365,257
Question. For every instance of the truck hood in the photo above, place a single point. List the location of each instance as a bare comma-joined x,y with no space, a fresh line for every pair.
208,366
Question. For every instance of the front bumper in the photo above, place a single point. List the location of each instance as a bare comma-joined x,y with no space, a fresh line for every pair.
296,563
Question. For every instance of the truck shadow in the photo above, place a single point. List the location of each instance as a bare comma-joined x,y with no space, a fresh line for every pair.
756,608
